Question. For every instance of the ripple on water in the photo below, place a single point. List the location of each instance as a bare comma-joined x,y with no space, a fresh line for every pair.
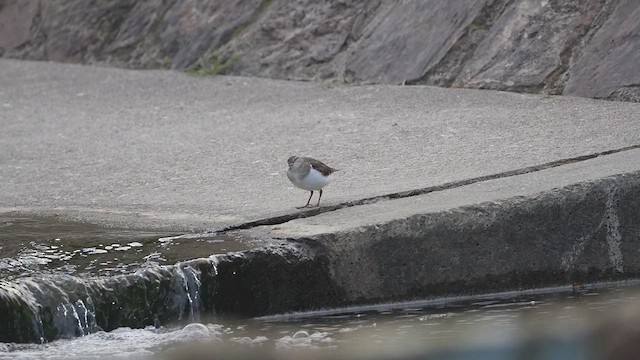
48,246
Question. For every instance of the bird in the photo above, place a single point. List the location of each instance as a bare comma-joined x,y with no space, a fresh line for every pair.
309,174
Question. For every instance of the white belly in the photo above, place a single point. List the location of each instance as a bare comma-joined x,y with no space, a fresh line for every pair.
313,181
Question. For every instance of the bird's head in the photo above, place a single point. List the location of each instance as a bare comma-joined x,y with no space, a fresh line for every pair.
291,161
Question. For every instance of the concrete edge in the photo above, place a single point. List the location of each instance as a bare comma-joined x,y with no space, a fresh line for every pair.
580,233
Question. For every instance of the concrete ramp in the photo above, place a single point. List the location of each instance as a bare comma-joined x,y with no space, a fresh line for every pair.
161,149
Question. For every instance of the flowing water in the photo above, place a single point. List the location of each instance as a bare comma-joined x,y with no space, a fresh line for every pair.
556,326
46,246
559,323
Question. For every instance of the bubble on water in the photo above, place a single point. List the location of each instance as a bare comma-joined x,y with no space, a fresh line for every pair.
93,251
195,331
216,328
134,244
153,259
302,339
348,329
247,341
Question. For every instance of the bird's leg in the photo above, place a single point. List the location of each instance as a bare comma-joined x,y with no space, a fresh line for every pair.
319,197
308,201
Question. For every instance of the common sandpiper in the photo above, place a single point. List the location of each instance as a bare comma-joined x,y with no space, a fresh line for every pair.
309,174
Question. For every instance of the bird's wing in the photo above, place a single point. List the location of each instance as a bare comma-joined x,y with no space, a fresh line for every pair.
320,166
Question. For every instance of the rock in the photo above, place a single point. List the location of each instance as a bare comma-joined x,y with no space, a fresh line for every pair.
529,45
627,93
571,47
146,34
79,31
15,24
412,38
298,40
193,28
609,62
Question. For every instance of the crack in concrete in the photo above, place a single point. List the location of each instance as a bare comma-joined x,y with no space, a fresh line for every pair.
276,220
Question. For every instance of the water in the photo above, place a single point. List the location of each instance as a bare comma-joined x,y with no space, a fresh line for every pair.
31,246
61,280
82,272
559,325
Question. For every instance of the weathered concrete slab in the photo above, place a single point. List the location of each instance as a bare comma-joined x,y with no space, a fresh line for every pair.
165,150
491,191
571,224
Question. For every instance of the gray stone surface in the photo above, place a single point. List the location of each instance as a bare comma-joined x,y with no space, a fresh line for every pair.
572,47
302,39
522,51
166,150
609,62
411,39
176,34
140,34
15,22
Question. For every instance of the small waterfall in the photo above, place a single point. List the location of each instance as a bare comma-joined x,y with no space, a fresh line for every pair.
74,319
256,282
55,307
19,314
186,299
40,309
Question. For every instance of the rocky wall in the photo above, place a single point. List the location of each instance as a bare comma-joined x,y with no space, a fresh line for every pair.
570,47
